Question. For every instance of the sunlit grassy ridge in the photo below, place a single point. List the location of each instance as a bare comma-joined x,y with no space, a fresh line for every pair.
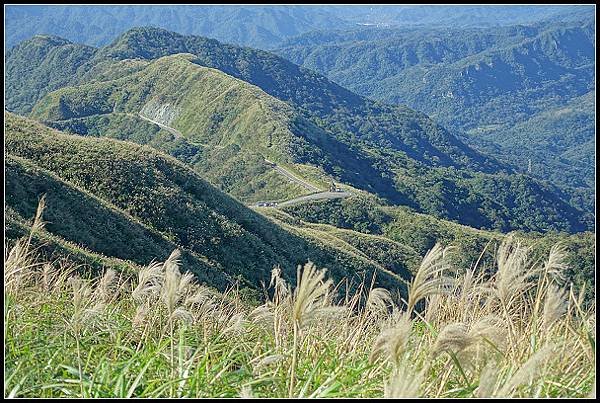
228,126
519,332
364,213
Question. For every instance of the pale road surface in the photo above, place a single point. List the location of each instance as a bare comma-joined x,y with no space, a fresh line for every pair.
316,196
283,171
175,132
293,178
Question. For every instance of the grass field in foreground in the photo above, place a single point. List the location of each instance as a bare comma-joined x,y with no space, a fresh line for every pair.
519,332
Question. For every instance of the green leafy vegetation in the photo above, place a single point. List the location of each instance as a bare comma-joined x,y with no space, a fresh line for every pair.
102,193
400,261
517,333
367,214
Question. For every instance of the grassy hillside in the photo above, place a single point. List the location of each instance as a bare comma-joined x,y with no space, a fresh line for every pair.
294,115
81,218
518,333
128,202
40,65
368,215
227,127
54,248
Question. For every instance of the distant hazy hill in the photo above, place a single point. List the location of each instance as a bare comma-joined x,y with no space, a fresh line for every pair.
519,92
256,26
97,25
455,16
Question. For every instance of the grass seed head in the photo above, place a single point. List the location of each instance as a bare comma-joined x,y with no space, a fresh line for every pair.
453,338
554,306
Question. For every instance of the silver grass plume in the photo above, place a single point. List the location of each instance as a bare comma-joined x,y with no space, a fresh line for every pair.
378,301
556,263
430,278
487,381
175,287
554,306
490,329
85,310
38,223
453,338
403,383
105,290
392,341
309,295
528,371
513,275
262,315
149,282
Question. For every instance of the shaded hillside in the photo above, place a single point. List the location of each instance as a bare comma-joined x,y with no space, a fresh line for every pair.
484,83
97,187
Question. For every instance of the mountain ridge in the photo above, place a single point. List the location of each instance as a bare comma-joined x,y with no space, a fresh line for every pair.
394,143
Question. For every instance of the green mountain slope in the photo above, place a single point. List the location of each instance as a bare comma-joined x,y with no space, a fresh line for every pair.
225,127
37,66
281,111
130,202
470,247
482,83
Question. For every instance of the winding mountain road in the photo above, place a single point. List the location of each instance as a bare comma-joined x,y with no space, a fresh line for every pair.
293,177
316,195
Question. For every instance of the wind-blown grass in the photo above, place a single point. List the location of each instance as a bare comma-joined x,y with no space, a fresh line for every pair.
163,335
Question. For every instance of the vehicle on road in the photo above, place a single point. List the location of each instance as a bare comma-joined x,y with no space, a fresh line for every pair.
266,204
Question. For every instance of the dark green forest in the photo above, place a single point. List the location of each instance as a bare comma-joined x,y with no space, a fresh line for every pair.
520,93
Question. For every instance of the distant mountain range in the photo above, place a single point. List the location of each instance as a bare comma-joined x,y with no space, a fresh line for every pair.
256,26
523,93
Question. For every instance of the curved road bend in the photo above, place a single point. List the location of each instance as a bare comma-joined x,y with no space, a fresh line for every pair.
315,196
175,132
293,177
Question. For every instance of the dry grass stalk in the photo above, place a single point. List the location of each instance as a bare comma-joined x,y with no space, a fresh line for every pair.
392,342
403,383
554,306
